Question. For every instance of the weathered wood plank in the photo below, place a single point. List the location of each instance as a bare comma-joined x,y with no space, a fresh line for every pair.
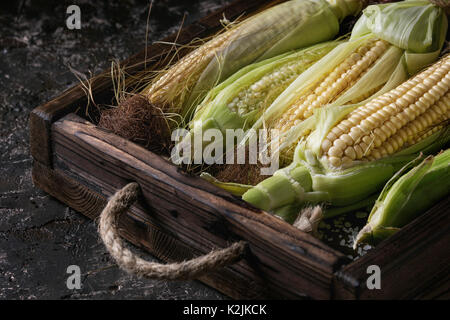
145,235
195,212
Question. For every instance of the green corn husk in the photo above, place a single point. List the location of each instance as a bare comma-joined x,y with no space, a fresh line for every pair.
406,196
312,178
416,32
290,212
274,75
236,189
395,59
309,182
287,26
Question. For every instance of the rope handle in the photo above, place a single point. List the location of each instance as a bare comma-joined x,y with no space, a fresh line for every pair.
131,263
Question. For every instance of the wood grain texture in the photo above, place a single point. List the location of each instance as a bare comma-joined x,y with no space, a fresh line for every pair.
144,235
184,214
151,58
193,211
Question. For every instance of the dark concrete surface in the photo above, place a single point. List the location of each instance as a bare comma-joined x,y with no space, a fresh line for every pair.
39,236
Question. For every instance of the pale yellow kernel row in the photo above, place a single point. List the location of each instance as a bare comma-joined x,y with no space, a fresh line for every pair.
393,120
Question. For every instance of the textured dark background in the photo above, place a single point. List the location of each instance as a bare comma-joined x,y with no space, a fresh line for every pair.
39,236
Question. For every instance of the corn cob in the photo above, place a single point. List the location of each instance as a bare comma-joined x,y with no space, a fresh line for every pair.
170,99
363,68
337,82
405,114
270,80
406,196
238,101
392,121
331,87
267,34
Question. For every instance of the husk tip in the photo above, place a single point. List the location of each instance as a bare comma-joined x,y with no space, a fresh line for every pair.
364,236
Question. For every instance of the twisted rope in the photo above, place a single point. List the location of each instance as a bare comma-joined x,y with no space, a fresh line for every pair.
131,263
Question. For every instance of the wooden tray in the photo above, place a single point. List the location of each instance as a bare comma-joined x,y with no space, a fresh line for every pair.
180,216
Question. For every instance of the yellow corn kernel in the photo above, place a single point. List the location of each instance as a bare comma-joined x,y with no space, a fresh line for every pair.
333,85
395,120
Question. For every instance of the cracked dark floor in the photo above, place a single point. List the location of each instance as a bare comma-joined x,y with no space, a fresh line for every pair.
39,236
